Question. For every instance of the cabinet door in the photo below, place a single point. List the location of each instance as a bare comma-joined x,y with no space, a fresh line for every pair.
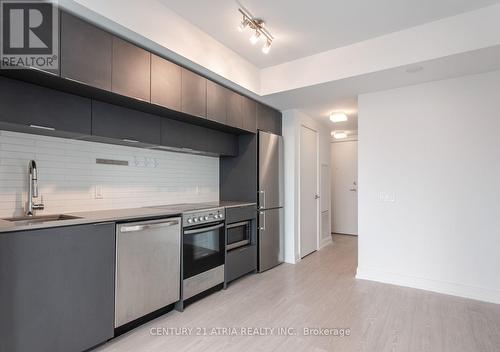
31,105
221,143
234,110
194,94
57,291
125,124
268,119
216,102
173,133
249,115
86,52
165,83
179,134
131,70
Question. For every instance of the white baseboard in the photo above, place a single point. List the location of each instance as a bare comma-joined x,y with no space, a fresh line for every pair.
448,288
325,242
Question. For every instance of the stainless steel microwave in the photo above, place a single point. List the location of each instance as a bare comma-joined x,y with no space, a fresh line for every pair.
238,235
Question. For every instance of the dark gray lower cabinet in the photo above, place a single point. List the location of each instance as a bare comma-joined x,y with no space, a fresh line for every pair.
240,262
57,288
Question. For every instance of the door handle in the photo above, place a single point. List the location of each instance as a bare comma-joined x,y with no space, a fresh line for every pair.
203,229
137,228
262,204
48,128
263,223
353,190
316,196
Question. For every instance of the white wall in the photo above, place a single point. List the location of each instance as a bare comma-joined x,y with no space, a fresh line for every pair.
68,175
435,149
292,122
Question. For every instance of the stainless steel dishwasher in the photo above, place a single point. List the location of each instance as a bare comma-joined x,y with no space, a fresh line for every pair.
147,267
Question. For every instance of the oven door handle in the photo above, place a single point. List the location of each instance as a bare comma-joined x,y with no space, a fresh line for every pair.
204,229
238,224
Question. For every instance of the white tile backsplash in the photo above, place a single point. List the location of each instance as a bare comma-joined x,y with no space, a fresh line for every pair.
68,175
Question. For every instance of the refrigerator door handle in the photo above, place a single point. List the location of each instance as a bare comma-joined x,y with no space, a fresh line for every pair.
263,223
262,200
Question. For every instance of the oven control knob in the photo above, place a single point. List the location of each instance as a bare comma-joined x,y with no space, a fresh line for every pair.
205,218
190,220
216,216
195,219
200,218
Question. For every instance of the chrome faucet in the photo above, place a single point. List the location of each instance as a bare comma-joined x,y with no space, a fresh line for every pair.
33,189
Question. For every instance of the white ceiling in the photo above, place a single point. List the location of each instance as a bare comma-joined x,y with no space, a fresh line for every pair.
319,100
302,28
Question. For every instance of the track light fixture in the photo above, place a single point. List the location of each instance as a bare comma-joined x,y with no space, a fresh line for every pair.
257,26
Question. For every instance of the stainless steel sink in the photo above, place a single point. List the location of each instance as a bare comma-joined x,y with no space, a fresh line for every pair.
31,220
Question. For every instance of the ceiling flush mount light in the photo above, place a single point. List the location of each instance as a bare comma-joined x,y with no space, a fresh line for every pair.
257,26
338,117
339,134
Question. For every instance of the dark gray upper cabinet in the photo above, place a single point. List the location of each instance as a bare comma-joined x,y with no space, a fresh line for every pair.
57,288
194,94
131,70
268,119
249,112
216,102
86,52
165,83
221,143
28,104
125,124
179,134
234,110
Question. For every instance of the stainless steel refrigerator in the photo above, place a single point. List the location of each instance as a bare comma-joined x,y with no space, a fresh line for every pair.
270,200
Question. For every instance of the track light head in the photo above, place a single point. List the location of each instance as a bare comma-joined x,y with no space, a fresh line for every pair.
243,24
255,37
267,47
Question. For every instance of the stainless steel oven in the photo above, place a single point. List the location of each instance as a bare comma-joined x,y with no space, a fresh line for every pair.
238,235
203,250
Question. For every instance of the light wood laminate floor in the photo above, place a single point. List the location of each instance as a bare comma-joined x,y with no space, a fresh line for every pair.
321,292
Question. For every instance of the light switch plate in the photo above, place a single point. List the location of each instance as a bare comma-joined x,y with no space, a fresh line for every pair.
387,197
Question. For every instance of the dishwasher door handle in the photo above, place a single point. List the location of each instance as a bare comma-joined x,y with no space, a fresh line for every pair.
203,229
137,228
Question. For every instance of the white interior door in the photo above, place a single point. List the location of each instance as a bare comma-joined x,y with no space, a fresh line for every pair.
309,199
345,187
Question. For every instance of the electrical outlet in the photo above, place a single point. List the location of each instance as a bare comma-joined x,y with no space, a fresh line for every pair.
98,192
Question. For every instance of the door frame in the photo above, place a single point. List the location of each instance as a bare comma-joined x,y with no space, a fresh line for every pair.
318,213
